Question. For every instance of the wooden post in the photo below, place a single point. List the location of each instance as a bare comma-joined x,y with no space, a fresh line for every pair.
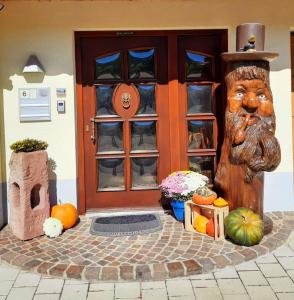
249,146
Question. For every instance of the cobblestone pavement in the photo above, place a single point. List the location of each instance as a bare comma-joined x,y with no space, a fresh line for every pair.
169,253
268,277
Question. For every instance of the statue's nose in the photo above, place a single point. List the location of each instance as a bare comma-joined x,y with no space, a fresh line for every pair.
251,102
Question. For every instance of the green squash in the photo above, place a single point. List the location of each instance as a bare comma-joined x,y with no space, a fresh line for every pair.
244,227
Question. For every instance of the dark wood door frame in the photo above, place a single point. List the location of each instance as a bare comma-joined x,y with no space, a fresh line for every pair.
173,83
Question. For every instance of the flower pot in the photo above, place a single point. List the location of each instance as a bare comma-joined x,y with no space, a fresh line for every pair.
178,209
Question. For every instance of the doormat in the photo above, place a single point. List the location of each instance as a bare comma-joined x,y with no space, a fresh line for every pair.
126,225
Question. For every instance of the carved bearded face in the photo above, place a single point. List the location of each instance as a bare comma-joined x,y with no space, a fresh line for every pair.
250,125
251,96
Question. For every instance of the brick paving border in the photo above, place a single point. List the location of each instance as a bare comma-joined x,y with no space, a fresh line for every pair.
172,252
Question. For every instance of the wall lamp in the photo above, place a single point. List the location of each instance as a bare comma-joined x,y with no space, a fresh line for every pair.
33,65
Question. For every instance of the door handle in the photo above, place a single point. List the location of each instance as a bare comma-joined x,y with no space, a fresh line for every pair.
93,135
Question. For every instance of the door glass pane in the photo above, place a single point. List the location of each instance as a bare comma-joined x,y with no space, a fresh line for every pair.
110,136
111,173
144,172
143,135
203,165
147,99
108,67
141,64
199,98
200,134
104,100
198,66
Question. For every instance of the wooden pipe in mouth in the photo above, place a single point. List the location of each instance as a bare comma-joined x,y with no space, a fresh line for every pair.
250,119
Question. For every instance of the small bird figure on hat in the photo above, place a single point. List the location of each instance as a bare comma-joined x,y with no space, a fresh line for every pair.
251,44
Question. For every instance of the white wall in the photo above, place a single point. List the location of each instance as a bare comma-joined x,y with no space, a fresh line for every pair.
47,28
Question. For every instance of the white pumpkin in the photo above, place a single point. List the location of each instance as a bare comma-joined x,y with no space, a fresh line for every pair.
52,227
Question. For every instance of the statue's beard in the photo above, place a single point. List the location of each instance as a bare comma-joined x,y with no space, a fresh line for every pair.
260,151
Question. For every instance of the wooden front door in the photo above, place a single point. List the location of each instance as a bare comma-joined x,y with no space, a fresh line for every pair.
125,95
138,95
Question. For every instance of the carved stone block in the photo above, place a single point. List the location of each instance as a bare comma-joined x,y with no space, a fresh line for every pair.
28,193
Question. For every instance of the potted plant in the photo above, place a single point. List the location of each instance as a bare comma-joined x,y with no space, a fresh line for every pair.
28,188
179,187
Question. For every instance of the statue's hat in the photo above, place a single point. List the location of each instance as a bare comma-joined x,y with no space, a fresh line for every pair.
249,45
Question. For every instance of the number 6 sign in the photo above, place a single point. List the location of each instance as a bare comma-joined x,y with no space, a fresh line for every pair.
25,94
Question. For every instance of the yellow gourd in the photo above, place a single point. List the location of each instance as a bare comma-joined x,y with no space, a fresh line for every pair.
199,223
220,202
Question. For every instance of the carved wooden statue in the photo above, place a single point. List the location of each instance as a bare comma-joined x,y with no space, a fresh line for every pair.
249,146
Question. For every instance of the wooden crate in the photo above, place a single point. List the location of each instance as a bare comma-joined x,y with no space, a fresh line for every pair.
219,213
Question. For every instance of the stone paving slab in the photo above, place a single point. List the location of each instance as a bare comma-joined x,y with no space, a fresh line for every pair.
243,282
169,253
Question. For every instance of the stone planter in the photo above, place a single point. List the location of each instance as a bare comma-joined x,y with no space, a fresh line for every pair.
28,193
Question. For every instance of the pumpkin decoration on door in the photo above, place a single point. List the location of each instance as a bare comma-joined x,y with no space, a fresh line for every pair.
244,227
66,213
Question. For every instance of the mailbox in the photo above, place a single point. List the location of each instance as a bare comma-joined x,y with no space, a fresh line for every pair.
34,104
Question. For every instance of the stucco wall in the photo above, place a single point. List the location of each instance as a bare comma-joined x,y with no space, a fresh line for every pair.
3,202
47,29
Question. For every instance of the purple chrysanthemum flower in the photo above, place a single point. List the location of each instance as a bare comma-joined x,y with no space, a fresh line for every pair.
182,184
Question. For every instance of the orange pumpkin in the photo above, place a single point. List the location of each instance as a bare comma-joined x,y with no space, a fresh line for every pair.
210,228
208,213
66,213
204,200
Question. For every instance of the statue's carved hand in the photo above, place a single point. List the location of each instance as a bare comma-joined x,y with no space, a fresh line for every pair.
241,134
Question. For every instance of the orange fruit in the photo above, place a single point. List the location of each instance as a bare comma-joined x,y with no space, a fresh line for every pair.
66,213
